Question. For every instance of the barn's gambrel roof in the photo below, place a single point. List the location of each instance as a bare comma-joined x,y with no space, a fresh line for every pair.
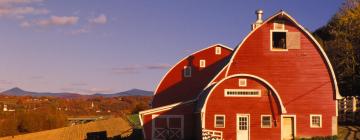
185,58
318,46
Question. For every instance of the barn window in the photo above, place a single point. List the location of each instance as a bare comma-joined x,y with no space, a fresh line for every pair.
187,71
218,50
219,121
202,63
242,82
242,93
278,41
279,25
265,121
315,121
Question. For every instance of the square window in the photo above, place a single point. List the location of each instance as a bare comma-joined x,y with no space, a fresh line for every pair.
187,71
219,121
265,121
202,63
315,121
218,50
242,83
279,25
278,40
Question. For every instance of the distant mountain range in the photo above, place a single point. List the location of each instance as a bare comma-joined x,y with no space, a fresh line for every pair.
20,92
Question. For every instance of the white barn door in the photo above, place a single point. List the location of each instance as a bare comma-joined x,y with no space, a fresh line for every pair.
242,129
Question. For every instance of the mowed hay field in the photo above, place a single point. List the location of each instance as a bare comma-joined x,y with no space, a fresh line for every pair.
112,126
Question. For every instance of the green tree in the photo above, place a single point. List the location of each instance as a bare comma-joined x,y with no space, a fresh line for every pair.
340,38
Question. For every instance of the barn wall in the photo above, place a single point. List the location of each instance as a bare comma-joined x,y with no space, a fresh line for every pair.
300,76
255,106
176,88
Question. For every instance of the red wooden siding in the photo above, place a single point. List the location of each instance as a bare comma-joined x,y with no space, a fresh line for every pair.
300,76
176,88
255,106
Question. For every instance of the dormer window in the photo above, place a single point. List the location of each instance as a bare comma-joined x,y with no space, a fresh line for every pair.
217,50
187,71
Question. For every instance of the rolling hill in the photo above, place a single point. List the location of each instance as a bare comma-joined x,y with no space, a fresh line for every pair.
20,92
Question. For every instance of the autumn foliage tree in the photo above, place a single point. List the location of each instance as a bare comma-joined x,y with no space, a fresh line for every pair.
340,38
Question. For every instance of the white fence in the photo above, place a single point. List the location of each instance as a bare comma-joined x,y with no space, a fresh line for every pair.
212,135
349,109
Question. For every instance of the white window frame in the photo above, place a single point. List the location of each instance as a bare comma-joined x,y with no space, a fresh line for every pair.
242,80
217,50
242,90
262,126
219,115
185,74
202,63
271,41
315,115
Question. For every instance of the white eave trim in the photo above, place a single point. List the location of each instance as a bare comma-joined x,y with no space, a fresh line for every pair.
283,109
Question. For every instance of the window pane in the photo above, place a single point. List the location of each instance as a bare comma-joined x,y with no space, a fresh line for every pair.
266,121
279,40
219,121
316,121
160,122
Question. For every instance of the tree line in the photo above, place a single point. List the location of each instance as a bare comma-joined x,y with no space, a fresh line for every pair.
33,114
340,38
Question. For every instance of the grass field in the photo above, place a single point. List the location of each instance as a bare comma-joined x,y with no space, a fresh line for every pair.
112,126
134,119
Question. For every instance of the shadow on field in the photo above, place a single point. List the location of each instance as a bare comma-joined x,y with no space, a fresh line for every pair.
352,132
102,135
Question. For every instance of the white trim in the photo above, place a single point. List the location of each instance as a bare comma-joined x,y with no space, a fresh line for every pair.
167,123
271,41
237,123
261,116
174,66
242,90
315,115
164,108
219,115
244,81
202,63
337,94
283,109
185,74
282,121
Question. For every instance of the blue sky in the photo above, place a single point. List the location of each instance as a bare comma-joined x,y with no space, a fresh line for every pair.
89,46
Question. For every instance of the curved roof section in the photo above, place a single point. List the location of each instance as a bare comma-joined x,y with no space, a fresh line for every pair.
174,87
201,106
322,52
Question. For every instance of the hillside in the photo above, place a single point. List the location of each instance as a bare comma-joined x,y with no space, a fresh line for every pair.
113,127
20,92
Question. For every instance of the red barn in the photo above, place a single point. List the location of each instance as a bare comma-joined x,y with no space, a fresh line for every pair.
277,84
